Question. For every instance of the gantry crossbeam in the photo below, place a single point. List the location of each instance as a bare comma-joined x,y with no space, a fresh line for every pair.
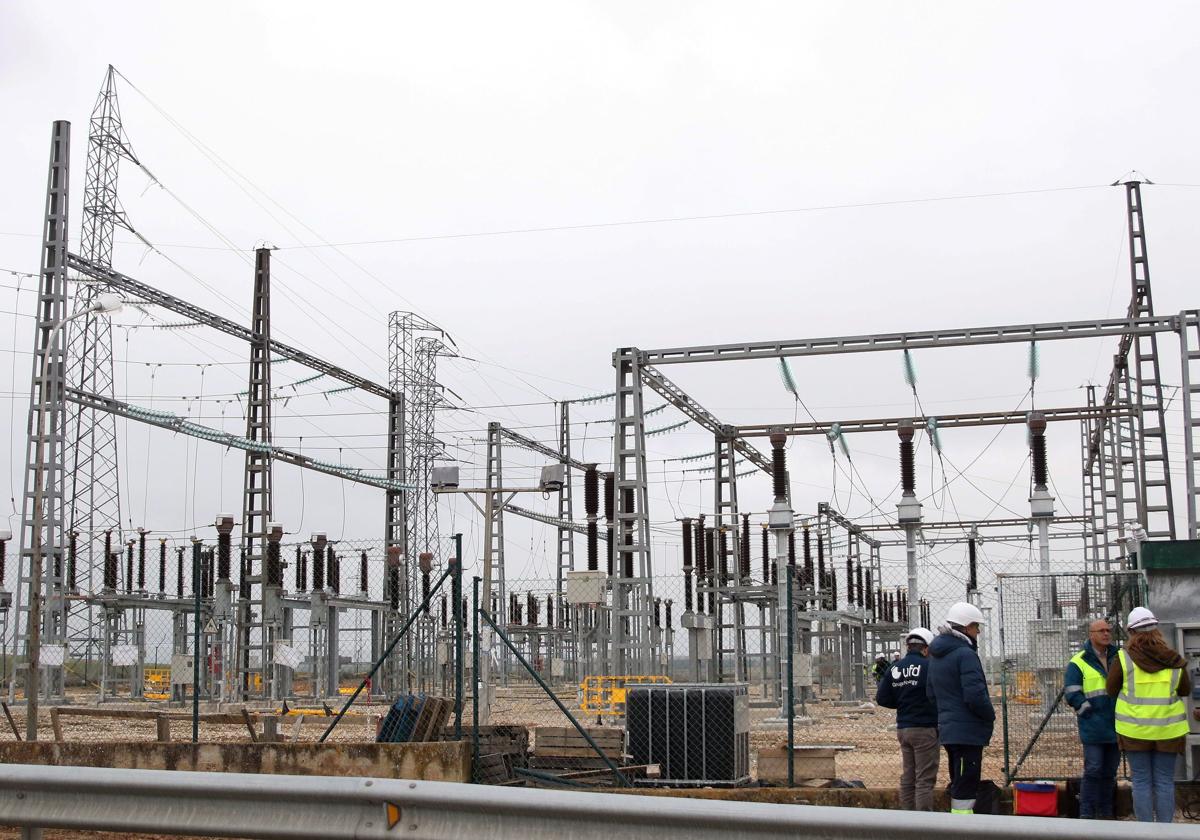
149,294
948,421
186,427
1106,328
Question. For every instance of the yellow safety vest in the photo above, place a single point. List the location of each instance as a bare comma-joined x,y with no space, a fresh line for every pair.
1094,680
1148,706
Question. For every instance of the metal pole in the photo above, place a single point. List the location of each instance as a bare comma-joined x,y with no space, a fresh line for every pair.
791,683
1003,681
195,640
456,598
474,675
483,675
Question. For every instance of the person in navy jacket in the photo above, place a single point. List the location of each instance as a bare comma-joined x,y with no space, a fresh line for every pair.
965,712
902,687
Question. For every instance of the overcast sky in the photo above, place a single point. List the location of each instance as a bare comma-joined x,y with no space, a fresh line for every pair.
483,151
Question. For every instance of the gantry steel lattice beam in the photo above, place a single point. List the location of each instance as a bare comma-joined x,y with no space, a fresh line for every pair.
947,421
968,524
156,297
679,398
547,519
178,424
1101,328
542,449
824,509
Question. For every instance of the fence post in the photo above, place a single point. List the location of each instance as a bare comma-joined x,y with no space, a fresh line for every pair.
456,599
1003,680
196,640
791,685
475,676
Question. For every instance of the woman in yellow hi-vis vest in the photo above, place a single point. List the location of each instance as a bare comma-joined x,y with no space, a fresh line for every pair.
1149,684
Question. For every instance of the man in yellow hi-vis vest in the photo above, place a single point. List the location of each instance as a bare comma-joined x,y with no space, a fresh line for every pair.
1084,690
1151,719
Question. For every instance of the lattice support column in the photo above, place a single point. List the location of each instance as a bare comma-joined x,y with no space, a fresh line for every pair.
256,487
1155,500
42,526
633,570
395,541
494,479
1095,487
1189,347
731,611
566,509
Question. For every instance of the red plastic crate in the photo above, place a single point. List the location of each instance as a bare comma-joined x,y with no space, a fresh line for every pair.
1035,799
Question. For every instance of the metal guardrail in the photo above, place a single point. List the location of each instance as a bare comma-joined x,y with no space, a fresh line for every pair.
288,807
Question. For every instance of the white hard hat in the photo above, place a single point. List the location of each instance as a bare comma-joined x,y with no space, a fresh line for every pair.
963,614
1140,618
924,635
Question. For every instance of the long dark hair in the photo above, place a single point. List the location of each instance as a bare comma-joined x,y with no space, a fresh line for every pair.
1150,637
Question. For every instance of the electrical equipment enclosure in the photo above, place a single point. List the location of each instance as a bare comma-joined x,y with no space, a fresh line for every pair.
443,477
584,587
553,478
699,733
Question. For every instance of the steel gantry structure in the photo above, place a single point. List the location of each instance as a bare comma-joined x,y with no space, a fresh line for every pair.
45,479
1101,415
1126,472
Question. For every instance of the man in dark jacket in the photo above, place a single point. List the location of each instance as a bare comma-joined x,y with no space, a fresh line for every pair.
965,714
1084,690
903,688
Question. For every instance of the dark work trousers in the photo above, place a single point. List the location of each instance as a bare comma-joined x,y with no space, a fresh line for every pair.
966,761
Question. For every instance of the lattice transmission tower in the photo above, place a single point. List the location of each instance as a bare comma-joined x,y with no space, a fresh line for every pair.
93,495
414,345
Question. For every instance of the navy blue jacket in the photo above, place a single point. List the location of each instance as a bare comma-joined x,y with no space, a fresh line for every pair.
957,685
1096,714
903,688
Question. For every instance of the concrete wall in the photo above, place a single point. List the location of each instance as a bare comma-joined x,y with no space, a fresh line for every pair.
441,761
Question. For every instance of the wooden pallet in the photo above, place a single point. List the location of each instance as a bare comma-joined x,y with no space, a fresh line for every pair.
494,769
565,742
431,721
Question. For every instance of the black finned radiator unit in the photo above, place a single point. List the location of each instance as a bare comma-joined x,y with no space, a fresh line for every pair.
698,733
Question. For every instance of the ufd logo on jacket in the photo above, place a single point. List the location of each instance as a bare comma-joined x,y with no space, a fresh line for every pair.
908,675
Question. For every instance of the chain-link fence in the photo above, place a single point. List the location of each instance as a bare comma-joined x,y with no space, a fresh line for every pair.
705,700
122,666
648,677
1044,622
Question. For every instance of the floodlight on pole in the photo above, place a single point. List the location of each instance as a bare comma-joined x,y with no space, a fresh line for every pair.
446,480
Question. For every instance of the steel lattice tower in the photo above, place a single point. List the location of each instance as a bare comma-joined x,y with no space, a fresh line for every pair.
412,371
93,499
